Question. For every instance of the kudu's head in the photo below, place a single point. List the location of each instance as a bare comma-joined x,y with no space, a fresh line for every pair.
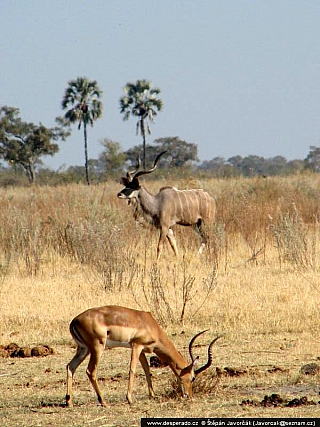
189,373
131,182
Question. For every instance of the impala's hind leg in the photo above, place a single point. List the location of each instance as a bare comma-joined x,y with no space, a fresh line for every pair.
82,353
95,355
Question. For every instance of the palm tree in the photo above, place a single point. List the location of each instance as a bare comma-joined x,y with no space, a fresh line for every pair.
140,100
83,96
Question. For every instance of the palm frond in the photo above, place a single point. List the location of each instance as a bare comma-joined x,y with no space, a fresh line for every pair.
126,115
83,96
141,101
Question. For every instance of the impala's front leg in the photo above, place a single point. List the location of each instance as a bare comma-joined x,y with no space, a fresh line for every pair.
135,355
145,365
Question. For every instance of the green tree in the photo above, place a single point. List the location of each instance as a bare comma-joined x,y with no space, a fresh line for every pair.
82,100
134,152
275,166
236,161
252,165
23,143
312,161
180,152
140,100
112,158
216,166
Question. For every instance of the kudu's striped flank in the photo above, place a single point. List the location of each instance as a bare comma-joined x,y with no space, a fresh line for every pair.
169,207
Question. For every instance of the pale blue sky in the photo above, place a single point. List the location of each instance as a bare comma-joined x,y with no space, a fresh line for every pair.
236,77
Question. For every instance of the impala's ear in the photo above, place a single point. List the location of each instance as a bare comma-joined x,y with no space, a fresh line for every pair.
195,362
124,181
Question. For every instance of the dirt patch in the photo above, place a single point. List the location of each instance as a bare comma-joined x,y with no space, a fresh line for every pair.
241,371
276,401
232,372
277,370
14,350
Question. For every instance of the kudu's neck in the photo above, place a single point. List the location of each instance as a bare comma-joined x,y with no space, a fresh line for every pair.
148,202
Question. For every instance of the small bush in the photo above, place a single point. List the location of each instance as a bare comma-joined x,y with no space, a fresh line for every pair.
294,241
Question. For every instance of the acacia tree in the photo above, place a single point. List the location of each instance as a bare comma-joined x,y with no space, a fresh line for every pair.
23,143
312,161
112,158
140,100
179,153
83,96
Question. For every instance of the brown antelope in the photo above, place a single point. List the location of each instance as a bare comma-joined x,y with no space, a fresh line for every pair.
114,326
169,207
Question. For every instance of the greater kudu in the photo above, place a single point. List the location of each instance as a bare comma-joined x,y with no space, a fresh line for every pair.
169,207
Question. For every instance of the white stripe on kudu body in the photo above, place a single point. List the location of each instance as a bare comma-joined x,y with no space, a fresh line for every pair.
169,207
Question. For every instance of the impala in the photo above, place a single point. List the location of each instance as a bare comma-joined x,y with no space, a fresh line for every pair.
169,207
114,326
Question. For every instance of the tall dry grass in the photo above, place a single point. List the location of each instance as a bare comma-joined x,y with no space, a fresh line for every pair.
65,249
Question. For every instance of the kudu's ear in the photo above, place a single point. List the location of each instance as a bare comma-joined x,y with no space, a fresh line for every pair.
135,183
124,181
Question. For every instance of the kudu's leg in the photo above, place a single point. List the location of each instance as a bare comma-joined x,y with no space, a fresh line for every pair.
172,241
145,365
82,353
199,229
135,356
166,232
92,368
162,238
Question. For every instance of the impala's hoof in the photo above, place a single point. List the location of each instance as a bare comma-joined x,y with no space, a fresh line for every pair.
69,403
102,401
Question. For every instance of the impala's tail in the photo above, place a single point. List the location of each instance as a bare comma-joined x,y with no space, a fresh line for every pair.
76,335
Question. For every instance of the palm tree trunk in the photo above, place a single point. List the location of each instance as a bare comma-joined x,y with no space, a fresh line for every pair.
86,151
143,133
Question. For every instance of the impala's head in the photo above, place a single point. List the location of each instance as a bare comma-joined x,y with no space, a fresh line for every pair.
189,373
131,182
186,378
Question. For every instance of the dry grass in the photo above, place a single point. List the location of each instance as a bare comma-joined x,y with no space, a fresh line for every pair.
65,249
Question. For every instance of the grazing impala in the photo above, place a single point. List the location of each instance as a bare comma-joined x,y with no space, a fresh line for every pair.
169,207
114,326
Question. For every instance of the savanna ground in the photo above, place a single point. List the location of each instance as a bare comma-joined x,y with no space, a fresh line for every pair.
65,249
